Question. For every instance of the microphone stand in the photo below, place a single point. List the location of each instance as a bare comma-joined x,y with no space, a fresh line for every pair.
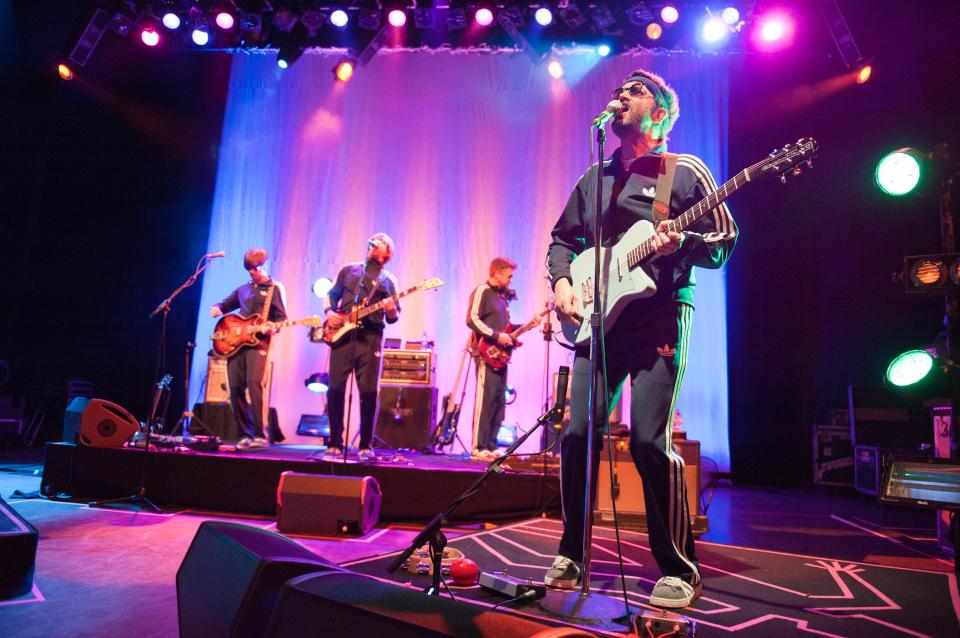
433,534
140,495
587,605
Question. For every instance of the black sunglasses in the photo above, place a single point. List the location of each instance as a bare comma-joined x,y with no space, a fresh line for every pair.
634,90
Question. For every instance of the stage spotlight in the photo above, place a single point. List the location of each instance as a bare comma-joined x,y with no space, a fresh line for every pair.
397,18
423,18
898,173
312,20
321,287
639,14
457,17
572,16
344,70
250,22
225,20
288,53
285,19
555,69
171,20
730,15
714,30
654,31
484,17
772,30
65,72
318,382
369,19
913,372
543,16
669,14
339,18
603,50
864,73
603,19
149,36
200,36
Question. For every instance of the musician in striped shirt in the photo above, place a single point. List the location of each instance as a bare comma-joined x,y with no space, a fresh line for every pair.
648,341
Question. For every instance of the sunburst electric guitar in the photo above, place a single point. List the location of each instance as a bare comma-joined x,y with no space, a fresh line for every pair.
234,332
498,356
351,320
623,277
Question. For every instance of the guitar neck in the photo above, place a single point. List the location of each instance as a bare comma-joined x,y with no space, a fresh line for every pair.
530,324
363,312
692,214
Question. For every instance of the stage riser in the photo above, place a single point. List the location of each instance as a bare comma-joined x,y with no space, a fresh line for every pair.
234,483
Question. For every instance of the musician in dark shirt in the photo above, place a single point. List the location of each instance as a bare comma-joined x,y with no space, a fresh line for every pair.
359,350
246,368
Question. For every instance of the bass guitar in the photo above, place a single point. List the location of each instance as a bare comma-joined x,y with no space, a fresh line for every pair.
351,320
498,356
450,415
623,277
234,332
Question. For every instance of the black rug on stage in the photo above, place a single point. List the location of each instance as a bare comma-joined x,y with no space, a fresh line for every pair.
869,585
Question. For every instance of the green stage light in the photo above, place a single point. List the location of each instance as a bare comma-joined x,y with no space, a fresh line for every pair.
909,368
899,172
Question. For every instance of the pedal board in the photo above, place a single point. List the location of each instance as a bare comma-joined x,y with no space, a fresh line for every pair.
511,586
664,623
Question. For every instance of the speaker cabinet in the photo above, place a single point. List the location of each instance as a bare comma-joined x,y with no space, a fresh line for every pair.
218,386
628,486
321,504
105,424
406,415
231,576
18,553
71,419
347,605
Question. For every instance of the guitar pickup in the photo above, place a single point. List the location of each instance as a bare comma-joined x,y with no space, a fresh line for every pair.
586,291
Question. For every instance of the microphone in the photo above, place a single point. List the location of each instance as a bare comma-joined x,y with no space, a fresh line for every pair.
613,107
560,402
217,254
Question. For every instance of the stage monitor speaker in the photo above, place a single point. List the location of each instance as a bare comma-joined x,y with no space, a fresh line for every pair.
105,424
321,504
230,578
345,604
71,419
406,416
18,553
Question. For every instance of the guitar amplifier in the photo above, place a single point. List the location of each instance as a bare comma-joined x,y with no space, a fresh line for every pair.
218,388
407,367
406,416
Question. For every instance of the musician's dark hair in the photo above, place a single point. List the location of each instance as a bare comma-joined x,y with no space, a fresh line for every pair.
253,258
384,239
501,262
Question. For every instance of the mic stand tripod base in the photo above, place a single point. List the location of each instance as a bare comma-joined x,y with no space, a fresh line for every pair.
576,605
140,496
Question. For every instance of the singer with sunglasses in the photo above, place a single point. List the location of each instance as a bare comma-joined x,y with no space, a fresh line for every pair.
648,341
247,368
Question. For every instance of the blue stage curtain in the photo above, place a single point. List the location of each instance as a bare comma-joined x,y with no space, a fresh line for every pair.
460,157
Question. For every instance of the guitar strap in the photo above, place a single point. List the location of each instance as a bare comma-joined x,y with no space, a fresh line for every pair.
265,313
661,202
376,285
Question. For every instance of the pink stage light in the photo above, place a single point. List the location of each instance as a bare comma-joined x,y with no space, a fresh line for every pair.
774,31
150,37
484,17
225,20
669,14
397,18
555,69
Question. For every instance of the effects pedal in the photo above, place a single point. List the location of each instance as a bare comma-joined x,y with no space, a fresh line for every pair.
511,586
651,624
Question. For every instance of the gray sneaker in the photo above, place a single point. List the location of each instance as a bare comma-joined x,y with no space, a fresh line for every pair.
259,442
674,593
563,574
332,453
366,454
244,443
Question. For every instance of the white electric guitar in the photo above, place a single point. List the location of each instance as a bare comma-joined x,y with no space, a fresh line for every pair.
623,278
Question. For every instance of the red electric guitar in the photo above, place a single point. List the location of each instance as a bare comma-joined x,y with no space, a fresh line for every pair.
498,356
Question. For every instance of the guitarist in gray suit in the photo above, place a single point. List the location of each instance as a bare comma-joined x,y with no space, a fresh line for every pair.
647,340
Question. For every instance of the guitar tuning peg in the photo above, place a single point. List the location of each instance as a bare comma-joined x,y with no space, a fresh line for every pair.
810,163
783,178
797,170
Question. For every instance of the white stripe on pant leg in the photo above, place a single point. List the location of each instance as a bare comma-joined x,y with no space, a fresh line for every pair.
679,525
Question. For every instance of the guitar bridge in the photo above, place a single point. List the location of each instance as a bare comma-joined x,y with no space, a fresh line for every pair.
586,291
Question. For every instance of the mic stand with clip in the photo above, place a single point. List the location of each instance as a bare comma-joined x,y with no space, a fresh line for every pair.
140,495
584,604
432,533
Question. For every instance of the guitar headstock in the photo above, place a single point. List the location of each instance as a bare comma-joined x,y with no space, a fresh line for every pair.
164,383
787,161
429,284
313,321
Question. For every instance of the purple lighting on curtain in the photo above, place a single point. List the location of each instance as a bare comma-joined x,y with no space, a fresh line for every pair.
460,158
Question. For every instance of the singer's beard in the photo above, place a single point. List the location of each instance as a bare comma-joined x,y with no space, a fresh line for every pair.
625,126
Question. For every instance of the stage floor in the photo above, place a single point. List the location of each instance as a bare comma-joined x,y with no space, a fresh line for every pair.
414,486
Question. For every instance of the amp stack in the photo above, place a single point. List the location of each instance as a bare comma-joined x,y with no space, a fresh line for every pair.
407,409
